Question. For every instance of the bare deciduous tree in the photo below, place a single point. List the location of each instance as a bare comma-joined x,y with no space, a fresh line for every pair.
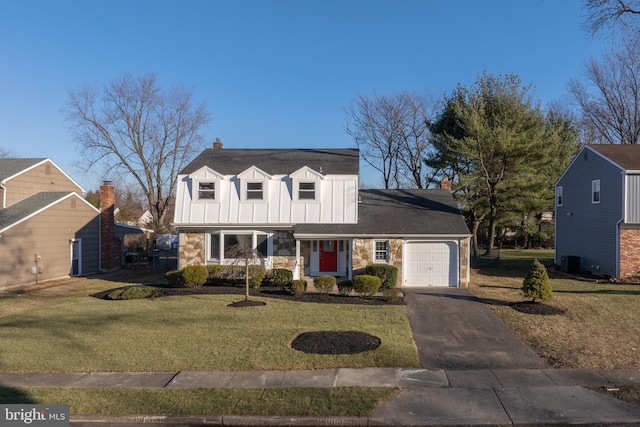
612,14
392,133
609,96
130,125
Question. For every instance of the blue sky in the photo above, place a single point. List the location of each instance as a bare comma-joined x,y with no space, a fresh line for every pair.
274,74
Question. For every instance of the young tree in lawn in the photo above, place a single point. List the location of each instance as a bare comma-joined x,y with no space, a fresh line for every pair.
244,258
131,126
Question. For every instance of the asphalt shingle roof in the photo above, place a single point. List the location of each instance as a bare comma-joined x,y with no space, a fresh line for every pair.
625,155
29,206
277,161
11,166
399,213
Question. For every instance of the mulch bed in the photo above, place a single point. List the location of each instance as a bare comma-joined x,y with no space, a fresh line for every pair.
334,342
270,292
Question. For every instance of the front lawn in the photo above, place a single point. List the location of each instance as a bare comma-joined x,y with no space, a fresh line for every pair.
64,329
598,326
340,401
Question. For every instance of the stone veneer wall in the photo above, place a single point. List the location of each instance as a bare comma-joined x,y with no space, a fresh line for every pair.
284,251
629,252
191,249
362,253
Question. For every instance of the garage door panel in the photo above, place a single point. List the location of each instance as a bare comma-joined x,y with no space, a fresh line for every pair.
431,264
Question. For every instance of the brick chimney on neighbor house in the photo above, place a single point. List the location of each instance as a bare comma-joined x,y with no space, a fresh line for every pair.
445,184
109,244
217,144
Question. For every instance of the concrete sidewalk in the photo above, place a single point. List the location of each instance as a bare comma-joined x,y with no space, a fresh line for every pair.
428,397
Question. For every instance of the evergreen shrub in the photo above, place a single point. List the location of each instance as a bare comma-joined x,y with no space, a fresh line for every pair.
366,285
324,284
387,273
536,285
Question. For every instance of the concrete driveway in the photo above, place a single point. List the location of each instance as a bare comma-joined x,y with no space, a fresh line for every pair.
454,330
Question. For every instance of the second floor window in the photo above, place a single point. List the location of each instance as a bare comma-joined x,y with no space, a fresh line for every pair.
595,191
254,191
307,191
559,200
207,190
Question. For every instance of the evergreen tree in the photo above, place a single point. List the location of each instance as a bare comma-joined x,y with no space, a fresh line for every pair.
536,284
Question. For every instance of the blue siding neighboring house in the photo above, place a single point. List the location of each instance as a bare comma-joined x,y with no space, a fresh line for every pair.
598,211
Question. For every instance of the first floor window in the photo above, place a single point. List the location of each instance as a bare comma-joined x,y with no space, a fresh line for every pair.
233,242
381,249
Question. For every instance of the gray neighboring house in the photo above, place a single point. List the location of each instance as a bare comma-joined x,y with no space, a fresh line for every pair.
47,228
302,209
598,212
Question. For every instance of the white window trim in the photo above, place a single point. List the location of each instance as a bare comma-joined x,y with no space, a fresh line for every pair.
216,189
375,251
316,188
220,259
196,189
245,189
559,196
595,185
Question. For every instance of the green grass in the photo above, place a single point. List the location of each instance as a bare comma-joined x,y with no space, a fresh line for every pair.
600,327
66,330
341,401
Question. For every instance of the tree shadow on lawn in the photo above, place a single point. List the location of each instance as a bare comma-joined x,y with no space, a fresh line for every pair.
13,395
527,307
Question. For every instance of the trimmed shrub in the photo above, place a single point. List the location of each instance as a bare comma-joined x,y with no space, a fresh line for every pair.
345,287
366,285
299,287
174,278
536,284
324,284
256,275
134,292
195,276
387,273
280,277
215,272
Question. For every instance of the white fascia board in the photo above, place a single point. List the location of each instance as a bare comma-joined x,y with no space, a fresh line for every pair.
250,170
82,190
71,194
380,236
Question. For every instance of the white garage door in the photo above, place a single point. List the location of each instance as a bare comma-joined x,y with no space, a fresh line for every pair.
431,264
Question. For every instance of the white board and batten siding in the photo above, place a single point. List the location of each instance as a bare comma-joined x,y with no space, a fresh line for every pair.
431,263
336,201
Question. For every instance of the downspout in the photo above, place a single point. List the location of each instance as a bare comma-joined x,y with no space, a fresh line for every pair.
4,194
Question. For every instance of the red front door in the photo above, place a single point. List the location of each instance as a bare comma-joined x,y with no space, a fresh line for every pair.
328,256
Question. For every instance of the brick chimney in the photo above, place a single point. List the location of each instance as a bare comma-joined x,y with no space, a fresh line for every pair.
445,184
109,244
217,144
